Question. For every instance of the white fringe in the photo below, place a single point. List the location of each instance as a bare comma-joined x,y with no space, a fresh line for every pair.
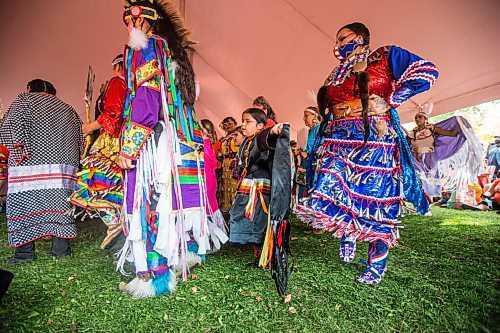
467,161
137,39
192,260
141,289
138,288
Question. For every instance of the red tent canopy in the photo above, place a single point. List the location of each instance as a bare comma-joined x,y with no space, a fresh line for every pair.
279,49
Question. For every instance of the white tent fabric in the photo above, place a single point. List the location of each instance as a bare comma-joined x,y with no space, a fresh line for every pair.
276,48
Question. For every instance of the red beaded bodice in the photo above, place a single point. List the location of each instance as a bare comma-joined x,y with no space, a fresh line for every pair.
381,80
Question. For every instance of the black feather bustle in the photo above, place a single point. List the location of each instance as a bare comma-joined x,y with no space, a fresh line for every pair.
170,26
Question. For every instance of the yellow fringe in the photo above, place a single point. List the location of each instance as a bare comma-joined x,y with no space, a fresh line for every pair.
267,248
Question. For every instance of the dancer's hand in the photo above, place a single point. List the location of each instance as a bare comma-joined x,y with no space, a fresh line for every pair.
88,128
278,128
125,163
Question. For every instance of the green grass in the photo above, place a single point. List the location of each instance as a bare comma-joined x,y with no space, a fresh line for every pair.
443,277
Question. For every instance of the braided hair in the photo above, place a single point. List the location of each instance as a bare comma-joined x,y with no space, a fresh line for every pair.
323,107
209,127
362,78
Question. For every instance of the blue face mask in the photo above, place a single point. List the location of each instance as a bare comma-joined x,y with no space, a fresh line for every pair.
346,50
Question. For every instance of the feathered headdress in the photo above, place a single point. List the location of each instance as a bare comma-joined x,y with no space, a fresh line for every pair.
423,109
169,24
160,9
168,9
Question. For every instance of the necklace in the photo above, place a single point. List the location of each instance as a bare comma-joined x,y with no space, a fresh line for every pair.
244,156
341,72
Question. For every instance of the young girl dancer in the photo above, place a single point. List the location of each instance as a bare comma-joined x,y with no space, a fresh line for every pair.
212,207
249,214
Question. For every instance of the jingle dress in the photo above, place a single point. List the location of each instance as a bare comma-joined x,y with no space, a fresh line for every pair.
361,187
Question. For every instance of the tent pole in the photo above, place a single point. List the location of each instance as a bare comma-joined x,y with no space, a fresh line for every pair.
182,8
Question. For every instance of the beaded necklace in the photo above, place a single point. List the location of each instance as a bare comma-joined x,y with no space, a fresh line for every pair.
244,156
343,71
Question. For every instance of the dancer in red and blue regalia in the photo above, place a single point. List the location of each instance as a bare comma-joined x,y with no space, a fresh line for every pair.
365,170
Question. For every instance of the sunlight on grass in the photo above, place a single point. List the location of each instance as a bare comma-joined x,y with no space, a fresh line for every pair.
478,223
473,218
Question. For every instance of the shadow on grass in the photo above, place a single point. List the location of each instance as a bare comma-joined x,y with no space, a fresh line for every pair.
31,300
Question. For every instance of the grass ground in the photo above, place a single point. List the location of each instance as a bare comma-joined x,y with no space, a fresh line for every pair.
443,277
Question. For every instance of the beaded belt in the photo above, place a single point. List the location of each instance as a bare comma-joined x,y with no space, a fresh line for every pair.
255,188
354,109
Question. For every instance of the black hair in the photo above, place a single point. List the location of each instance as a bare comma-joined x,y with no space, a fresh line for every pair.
260,100
239,130
39,85
184,74
118,57
363,79
229,119
360,29
120,63
323,107
209,127
257,114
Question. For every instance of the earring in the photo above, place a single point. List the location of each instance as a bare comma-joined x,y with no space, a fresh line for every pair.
360,41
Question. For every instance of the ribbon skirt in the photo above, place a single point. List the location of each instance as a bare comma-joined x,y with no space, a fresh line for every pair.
359,189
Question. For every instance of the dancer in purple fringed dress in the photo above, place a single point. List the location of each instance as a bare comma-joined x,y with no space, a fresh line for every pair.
434,148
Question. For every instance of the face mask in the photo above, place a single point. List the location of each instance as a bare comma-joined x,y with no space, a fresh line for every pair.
345,51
